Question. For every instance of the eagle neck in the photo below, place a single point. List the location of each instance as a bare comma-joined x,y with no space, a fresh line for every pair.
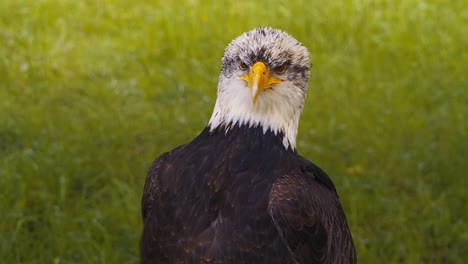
247,136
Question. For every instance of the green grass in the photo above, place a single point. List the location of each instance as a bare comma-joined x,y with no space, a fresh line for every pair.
92,91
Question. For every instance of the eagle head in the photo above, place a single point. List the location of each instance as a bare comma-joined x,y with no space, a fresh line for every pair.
263,82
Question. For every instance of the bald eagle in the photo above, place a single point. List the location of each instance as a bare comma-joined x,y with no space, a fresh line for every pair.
239,192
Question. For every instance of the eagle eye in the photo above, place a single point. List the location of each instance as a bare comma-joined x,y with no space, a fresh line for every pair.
281,69
242,65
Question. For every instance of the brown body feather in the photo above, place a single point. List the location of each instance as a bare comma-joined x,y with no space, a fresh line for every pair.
241,197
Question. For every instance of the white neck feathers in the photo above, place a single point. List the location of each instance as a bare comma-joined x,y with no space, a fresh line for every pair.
276,110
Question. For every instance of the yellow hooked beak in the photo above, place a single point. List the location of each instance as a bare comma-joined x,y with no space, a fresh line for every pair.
259,79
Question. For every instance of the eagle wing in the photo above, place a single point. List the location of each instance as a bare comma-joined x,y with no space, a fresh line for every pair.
152,190
149,247
306,210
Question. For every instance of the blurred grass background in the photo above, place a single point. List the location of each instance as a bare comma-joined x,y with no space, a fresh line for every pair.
92,91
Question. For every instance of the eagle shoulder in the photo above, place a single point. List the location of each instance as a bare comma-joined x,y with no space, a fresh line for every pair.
152,188
305,209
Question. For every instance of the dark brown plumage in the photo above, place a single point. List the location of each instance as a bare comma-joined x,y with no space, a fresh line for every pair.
240,193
